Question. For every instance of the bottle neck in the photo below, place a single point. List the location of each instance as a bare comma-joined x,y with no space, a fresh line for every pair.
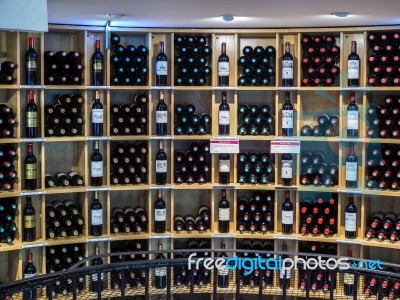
223,48
30,258
161,47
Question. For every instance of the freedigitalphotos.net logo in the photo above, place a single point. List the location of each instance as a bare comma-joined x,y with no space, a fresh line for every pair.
283,264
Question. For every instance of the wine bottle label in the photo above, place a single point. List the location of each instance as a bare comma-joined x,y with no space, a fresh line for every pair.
287,119
287,170
283,272
350,222
223,68
31,119
225,165
98,65
353,69
161,166
96,168
348,278
287,217
31,171
31,64
97,217
287,69
161,68
223,214
223,117
161,117
351,171
29,275
352,119
223,271
160,271
29,222
160,214
95,277
97,115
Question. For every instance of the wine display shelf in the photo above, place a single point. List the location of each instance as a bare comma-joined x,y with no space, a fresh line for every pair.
308,102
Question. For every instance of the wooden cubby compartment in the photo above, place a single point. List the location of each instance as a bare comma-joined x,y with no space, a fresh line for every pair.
155,49
216,198
279,199
37,203
155,97
21,50
103,199
294,51
294,99
9,50
232,101
231,46
38,152
360,38
10,97
343,202
358,150
167,196
11,262
154,146
361,113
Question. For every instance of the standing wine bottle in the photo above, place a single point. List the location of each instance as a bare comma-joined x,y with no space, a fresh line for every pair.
30,169
353,66
348,278
97,280
29,272
31,117
287,67
287,116
352,117
31,64
161,116
351,168
96,216
97,64
161,67
223,67
29,221
224,168
350,223
160,273
96,166
287,214
223,213
223,272
287,169
161,165
160,214
224,116
97,116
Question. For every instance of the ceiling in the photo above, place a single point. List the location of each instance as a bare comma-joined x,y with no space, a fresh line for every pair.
206,13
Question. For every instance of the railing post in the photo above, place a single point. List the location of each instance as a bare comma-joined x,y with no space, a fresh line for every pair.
169,281
74,296
284,283
215,275
122,287
237,284
332,284
191,280
355,288
260,287
146,286
308,283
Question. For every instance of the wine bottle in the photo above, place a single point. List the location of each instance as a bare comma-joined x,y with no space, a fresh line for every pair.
161,116
75,179
353,66
287,67
97,279
29,272
31,64
223,67
31,117
287,214
351,168
161,165
29,221
348,278
223,272
223,213
160,214
287,169
96,213
97,116
352,117
350,223
30,169
160,273
96,166
224,116
97,66
287,116
224,168
161,67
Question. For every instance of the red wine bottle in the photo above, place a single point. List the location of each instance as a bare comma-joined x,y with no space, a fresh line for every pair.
224,116
96,166
29,272
97,116
161,67
353,66
30,169
287,116
224,168
29,221
287,169
96,216
351,168
161,116
160,214
348,280
352,117
97,279
31,64
97,66
160,273
31,117
161,165
350,223
287,67
287,215
223,213
223,67
223,273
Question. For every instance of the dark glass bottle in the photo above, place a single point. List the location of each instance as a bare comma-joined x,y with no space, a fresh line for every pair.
29,272
97,279
96,216
160,273
161,165
97,116
160,214
287,67
29,221
161,67
223,272
287,116
224,168
31,116
31,64
223,213
287,214
353,66
223,67
96,166
30,169
224,116
350,222
351,168
287,169
97,66
348,278
161,116
352,117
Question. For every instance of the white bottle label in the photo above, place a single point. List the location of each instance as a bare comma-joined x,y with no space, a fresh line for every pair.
287,170
223,271
225,166
29,275
160,271
287,217
223,117
223,214
351,171
353,69
96,168
350,223
161,166
97,217
96,278
283,272
160,214
161,68
161,117
287,119
352,119
287,69
348,278
97,115
223,68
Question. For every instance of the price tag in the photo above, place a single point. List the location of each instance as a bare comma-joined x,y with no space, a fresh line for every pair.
285,146
224,146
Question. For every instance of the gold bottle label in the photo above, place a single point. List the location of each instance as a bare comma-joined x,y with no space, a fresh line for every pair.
31,171
29,222
31,119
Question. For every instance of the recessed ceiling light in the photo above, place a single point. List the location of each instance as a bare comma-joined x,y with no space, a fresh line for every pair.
340,14
115,16
227,17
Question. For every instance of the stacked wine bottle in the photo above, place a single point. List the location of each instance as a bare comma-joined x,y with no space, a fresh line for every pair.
7,69
129,64
255,168
378,285
63,219
129,163
383,120
256,213
128,219
383,226
130,119
65,117
189,122
192,60
320,61
8,227
193,164
256,120
7,121
327,126
317,171
318,216
200,222
63,68
384,59
8,173
62,179
383,167
256,66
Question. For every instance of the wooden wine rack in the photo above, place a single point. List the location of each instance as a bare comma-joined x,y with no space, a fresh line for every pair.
73,153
